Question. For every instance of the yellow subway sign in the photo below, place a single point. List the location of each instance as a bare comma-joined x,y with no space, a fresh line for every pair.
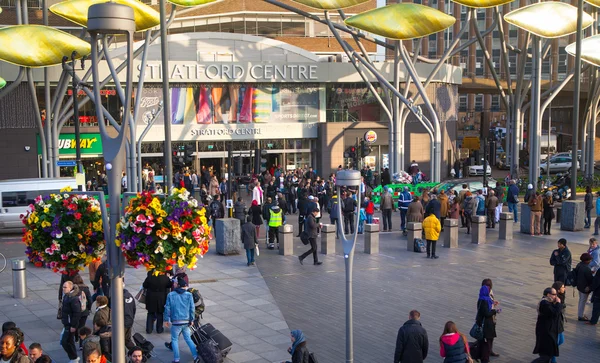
89,144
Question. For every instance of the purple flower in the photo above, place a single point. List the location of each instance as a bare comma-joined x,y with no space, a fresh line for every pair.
148,240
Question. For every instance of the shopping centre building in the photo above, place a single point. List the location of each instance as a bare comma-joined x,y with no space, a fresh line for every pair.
305,108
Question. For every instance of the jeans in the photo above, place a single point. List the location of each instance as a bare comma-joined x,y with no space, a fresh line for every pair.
431,247
67,341
313,250
560,341
387,219
513,207
361,227
369,219
267,229
587,221
403,213
250,255
595,312
534,225
185,330
583,298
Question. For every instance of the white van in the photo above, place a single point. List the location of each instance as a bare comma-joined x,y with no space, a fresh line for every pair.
17,194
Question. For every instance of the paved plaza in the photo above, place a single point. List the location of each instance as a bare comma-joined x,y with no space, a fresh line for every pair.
257,306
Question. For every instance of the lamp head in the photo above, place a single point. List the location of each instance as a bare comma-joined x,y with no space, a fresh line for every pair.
347,178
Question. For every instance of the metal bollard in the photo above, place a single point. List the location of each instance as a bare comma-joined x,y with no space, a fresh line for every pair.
19,278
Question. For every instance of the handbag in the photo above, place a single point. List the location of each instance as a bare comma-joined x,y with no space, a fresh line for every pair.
304,238
476,331
141,296
59,313
257,252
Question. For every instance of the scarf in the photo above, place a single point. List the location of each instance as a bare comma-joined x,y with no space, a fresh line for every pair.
484,294
298,338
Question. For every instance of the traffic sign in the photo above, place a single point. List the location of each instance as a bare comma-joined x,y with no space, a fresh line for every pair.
66,163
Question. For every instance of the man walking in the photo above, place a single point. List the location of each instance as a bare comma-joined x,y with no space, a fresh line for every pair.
412,343
387,204
348,206
561,260
462,195
71,312
311,229
491,204
546,328
179,313
512,198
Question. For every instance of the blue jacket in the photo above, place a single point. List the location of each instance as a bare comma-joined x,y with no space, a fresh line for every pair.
595,264
598,207
179,309
405,199
513,194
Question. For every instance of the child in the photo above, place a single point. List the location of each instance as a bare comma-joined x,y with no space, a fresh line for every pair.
432,228
86,338
361,220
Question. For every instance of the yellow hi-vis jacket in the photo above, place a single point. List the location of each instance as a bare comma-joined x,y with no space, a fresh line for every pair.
275,219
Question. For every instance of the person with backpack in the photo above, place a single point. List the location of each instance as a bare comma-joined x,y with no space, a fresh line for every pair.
561,260
179,314
480,211
86,302
583,279
71,316
216,211
311,230
198,310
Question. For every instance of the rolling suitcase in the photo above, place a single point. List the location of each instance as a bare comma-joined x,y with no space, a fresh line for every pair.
209,332
147,347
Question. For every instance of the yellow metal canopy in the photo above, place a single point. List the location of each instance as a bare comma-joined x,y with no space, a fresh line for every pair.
593,2
330,4
590,50
2,83
402,21
480,4
77,12
192,2
550,19
39,46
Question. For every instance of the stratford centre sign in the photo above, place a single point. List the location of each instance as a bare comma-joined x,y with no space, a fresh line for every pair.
233,72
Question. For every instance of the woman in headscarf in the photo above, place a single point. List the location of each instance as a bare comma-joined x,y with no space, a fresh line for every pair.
256,213
298,349
486,310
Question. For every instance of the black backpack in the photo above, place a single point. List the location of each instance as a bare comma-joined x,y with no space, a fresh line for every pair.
571,279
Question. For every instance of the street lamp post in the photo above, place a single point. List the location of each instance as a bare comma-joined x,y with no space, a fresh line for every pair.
348,178
103,19
576,95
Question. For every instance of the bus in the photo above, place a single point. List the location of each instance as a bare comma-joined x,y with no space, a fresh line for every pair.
17,194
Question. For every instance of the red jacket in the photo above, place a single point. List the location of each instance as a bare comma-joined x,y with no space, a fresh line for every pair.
370,208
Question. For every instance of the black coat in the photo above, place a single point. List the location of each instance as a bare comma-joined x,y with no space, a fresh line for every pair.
412,343
256,214
301,354
596,288
239,211
584,277
249,236
546,329
434,206
71,308
158,287
130,308
311,226
102,279
485,315
562,264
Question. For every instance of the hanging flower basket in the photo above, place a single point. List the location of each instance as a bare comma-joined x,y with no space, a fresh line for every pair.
63,232
159,234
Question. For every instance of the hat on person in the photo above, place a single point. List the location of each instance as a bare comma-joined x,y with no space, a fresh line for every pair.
390,190
405,189
311,197
530,186
181,282
275,208
585,257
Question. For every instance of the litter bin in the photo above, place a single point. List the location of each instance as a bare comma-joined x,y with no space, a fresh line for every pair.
19,278
558,213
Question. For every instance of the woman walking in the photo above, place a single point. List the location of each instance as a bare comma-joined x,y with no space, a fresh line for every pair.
560,292
256,213
249,240
157,289
485,316
453,345
548,212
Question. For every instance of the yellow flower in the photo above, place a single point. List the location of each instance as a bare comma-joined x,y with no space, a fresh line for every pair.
65,189
118,242
162,213
98,225
180,263
182,250
203,220
148,212
159,220
187,240
46,209
46,224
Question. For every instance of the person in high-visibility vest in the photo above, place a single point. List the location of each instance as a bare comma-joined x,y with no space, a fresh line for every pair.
275,220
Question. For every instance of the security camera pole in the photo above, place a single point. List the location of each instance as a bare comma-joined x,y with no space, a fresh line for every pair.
348,178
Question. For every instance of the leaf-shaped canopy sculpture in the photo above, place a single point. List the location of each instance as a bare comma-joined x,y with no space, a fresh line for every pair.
481,4
192,2
77,12
402,21
2,83
39,46
596,3
590,50
330,4
551,19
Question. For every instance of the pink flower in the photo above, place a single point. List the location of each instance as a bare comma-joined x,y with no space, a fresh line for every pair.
197,235
150,224
148,231
64,257
141,218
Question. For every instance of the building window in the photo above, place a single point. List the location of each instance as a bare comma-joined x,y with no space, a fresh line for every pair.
479,102
462,103
495,103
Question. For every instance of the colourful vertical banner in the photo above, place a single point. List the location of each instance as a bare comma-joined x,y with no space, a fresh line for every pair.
174,103
217,95
178,119
262,104
203,114
234,94
246,109
190,106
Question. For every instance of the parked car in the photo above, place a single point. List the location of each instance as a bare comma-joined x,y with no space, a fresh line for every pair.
474,184
475,170
558,163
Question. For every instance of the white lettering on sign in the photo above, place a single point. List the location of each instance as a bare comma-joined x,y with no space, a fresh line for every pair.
70,143
235,72
225,132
